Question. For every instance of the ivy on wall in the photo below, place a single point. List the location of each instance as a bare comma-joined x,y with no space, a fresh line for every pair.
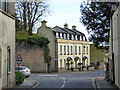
23,38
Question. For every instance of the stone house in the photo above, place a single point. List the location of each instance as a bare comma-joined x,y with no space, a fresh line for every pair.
7,45
114,54
66,44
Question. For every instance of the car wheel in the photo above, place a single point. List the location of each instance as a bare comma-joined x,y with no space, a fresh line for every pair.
27,76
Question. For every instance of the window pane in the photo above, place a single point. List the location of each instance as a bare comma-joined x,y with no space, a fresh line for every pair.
64,50
71,50
75,49
87,49
68,50
64,62
60,63
79,50
60,49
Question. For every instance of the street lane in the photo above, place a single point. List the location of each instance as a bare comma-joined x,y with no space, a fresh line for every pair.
81,79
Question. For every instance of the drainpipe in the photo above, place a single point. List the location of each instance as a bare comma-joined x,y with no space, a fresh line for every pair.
113,73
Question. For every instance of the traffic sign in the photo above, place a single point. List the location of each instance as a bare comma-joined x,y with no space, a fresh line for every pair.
18,59
55,59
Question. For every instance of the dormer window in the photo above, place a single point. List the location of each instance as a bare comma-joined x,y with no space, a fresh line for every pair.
83,38
80,38
64,36
61,35
76,37
68,36
72,37
57,35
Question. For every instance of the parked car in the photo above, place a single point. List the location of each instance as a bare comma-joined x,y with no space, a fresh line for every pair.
26,71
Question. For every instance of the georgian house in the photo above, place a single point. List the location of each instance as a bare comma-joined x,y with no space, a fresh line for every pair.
66,45
7,44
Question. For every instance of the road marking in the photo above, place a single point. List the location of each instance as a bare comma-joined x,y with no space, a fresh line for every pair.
48,75
63,78
63,86
93,83
98,86
36,84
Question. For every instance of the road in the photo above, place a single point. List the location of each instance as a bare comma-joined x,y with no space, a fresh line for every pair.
74,80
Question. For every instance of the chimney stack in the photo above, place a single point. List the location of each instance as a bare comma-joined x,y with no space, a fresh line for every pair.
66,26
43,23
73,27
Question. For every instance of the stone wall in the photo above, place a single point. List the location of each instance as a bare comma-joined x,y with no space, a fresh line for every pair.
33,58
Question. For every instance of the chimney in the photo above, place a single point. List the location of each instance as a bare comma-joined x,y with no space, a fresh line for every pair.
43,23
73,27
66,26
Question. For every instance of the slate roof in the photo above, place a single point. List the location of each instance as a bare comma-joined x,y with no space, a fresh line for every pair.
66,30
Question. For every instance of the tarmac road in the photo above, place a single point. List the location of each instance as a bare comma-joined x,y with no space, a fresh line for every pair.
73,80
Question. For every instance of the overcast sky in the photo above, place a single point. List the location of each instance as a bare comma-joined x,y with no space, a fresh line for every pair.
65,11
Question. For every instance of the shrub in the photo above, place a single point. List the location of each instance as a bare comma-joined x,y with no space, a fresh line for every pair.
21,77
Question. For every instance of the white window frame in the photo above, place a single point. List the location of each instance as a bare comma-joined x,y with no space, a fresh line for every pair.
79,49
71,50
72,37
61,35
57,35
64,36
75,50
64,50
60,63
60,49
83,49
76,37
68,36
68,50
64,62
86,49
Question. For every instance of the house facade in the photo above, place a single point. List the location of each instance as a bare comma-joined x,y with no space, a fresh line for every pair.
114,60
7,45
66,46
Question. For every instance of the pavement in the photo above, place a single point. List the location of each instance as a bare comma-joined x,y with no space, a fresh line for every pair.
102,83
28,83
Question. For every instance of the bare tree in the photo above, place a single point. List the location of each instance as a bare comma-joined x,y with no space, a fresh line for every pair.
29,13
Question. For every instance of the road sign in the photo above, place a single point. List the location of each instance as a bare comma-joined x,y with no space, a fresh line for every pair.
18,59
55,59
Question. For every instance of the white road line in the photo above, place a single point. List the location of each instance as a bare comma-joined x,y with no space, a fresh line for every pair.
36,84
63,82
63,86
98,86
63,78
48,75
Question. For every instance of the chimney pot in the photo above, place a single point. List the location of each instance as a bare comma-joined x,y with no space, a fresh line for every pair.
43,23
74,27
66,26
